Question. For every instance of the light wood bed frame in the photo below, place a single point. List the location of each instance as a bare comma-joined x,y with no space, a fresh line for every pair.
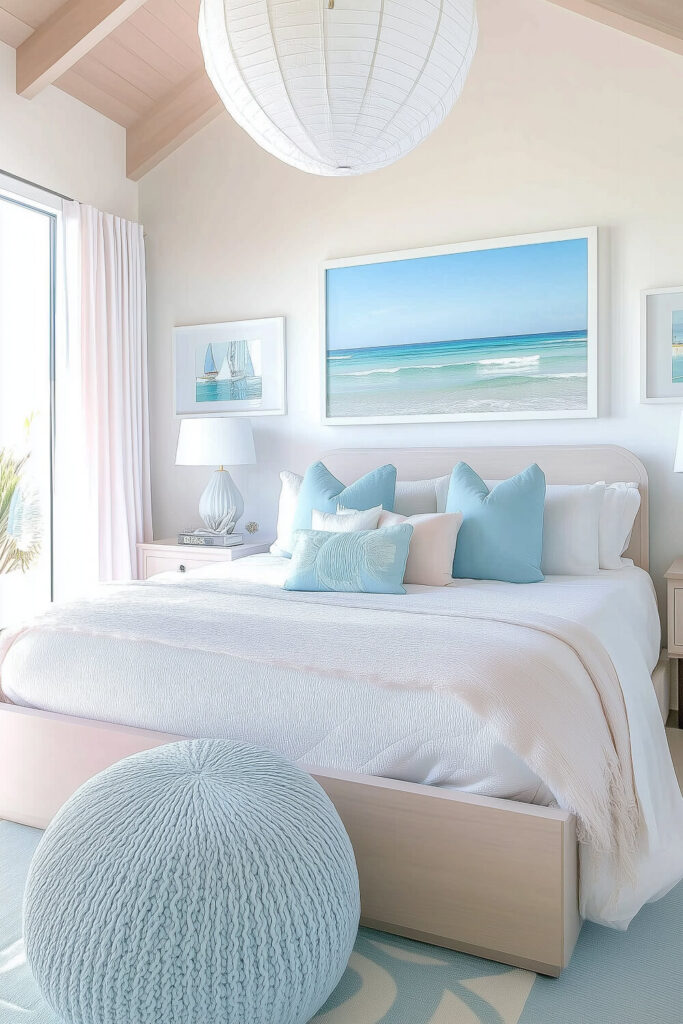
496,878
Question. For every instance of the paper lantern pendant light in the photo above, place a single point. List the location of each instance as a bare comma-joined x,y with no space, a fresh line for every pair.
338,86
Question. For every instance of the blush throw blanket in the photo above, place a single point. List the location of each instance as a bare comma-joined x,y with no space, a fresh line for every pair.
546,685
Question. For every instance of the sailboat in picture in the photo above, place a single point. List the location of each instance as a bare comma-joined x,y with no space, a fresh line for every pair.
237,363
210,370
229,374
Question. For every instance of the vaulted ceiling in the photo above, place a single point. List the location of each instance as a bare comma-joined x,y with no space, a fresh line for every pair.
139,61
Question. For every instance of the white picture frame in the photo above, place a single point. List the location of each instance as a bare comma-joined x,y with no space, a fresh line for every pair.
586,411
236,368
657,384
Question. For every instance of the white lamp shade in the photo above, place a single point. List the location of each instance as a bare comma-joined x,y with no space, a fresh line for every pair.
338,86
678,461
218,441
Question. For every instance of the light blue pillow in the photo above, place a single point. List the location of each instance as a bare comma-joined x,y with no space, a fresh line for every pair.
501,537
364,562
322,491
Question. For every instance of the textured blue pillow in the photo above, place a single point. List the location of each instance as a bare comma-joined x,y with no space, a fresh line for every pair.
365,562
203,881
501,537
321,490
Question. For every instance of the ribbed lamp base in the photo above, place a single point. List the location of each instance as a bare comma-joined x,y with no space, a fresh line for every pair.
221,504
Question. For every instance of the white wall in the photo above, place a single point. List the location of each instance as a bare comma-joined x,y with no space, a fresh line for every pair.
61,144
563,123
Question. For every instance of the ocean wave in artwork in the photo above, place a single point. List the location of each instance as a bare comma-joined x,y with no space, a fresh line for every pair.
511,361
534,373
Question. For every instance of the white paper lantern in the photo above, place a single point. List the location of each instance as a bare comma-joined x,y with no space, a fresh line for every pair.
338,86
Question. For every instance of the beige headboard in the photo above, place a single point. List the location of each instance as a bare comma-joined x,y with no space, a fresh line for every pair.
562,464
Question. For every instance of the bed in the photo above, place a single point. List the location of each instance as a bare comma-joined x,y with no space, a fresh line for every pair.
458,838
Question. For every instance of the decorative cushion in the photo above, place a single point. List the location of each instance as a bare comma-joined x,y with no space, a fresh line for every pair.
200,881
346,520
367,562
289,495
321,490
501,537
432,546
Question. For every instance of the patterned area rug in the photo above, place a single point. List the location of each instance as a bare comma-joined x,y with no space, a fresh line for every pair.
614,977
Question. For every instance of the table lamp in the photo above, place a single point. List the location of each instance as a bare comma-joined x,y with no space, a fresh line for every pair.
218,441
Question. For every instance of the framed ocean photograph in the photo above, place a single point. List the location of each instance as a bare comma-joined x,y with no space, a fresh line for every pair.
492,330
235,369
661,361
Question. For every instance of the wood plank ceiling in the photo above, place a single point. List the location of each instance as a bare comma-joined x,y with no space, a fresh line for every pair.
142,68
139,62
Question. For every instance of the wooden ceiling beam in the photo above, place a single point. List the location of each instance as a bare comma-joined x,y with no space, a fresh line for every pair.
66,36
656,21
174,119
13,30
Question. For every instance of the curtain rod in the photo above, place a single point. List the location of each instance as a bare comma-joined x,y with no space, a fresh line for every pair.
34,184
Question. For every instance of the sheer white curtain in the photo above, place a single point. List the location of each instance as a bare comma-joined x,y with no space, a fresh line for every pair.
102,477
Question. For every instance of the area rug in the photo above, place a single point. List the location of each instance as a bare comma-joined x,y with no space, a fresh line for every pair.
614,977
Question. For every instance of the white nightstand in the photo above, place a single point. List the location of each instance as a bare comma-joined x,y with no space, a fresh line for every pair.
167,556
674,617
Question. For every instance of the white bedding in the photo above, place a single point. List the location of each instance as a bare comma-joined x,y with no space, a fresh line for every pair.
347,722
422,737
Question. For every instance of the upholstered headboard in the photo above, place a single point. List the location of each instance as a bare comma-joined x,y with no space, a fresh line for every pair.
562,464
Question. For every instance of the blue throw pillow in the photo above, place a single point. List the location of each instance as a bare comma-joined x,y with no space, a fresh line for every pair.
364,562
501,537
322,491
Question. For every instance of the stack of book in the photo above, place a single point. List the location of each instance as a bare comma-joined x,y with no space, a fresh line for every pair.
205,539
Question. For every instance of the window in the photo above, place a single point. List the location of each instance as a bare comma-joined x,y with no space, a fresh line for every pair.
28,231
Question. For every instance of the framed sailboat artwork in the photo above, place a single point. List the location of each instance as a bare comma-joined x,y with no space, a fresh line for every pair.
230,369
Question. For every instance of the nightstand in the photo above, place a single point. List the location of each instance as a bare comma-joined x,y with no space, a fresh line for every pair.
674,617
167,556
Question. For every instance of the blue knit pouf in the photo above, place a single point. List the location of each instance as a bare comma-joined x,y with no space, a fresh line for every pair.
203,882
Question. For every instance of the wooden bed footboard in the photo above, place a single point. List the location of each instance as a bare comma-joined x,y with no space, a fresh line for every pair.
496,878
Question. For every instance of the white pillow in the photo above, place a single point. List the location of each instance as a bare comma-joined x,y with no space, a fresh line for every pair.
619,511
289,495
416,497
571,529
442,485
432,546
345,520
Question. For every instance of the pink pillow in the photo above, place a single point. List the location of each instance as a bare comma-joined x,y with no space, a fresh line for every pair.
432,546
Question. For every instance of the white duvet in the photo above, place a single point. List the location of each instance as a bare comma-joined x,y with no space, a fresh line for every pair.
115,663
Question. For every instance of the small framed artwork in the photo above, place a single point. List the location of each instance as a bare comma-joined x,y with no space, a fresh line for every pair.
661,347
233,369
503,329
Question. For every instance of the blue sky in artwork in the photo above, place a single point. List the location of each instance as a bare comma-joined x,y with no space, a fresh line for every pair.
519,290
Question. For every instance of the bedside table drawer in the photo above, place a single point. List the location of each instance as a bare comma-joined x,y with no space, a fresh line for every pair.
166,556
677,617
154,563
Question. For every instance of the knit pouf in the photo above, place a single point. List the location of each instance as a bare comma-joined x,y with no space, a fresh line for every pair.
203,882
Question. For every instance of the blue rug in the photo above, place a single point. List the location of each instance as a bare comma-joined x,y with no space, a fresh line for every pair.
614,977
